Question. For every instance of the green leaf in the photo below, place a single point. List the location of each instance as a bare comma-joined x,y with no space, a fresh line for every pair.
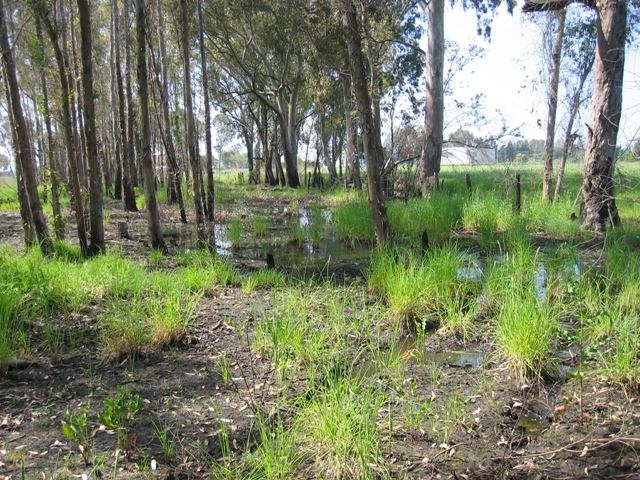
69,431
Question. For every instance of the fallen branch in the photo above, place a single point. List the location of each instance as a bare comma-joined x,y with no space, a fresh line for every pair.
604,442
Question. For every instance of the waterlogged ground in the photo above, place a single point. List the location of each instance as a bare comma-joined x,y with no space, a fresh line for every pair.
313,380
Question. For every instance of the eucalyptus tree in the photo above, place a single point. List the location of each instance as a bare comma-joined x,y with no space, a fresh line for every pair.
153,214
372,144
54,172
241,110
555,24
23,145
430,160
261,45
352,162
186,9
598,194
97,244
129,196
207,116
580,56
174,177
42,10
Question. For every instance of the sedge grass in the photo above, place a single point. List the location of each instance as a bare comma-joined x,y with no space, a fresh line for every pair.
125,332
420,290
235,232
265,278
339,430
354,223
438,214
170,316
259,225
621,363
524,335
10,328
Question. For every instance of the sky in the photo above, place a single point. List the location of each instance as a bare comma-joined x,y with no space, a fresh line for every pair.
507,73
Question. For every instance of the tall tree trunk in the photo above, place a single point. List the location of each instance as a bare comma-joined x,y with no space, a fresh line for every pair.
282,180
266,150
127,182
434,107
569,136
113,84
248,141
97,245
130,170
78,111
207,116
328,159
70,138
54,173
23,199
289,139
174,184
372,142
23,142
597,180
191,135
155,229
556,59
351,132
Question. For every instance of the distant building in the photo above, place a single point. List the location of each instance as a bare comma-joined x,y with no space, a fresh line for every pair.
6,171
463,155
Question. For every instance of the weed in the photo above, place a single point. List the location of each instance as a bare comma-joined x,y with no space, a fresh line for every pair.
354,223
167,439
125,331
155,257
297,234
77,429
119,414
276,456
223,367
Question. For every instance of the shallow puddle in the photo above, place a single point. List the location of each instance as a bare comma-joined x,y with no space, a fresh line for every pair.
411,347
287,252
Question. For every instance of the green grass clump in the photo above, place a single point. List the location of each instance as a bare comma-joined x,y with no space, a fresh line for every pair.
125,330
438,214
621,362
265,278
11,327
339,430
201,271
259,225
67,252
354,222
524,335
297,234
422,290
170,316
309,326
235,232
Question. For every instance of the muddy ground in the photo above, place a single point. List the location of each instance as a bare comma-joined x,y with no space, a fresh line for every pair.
501,428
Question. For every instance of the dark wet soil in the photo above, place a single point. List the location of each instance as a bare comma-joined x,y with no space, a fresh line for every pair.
496,427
